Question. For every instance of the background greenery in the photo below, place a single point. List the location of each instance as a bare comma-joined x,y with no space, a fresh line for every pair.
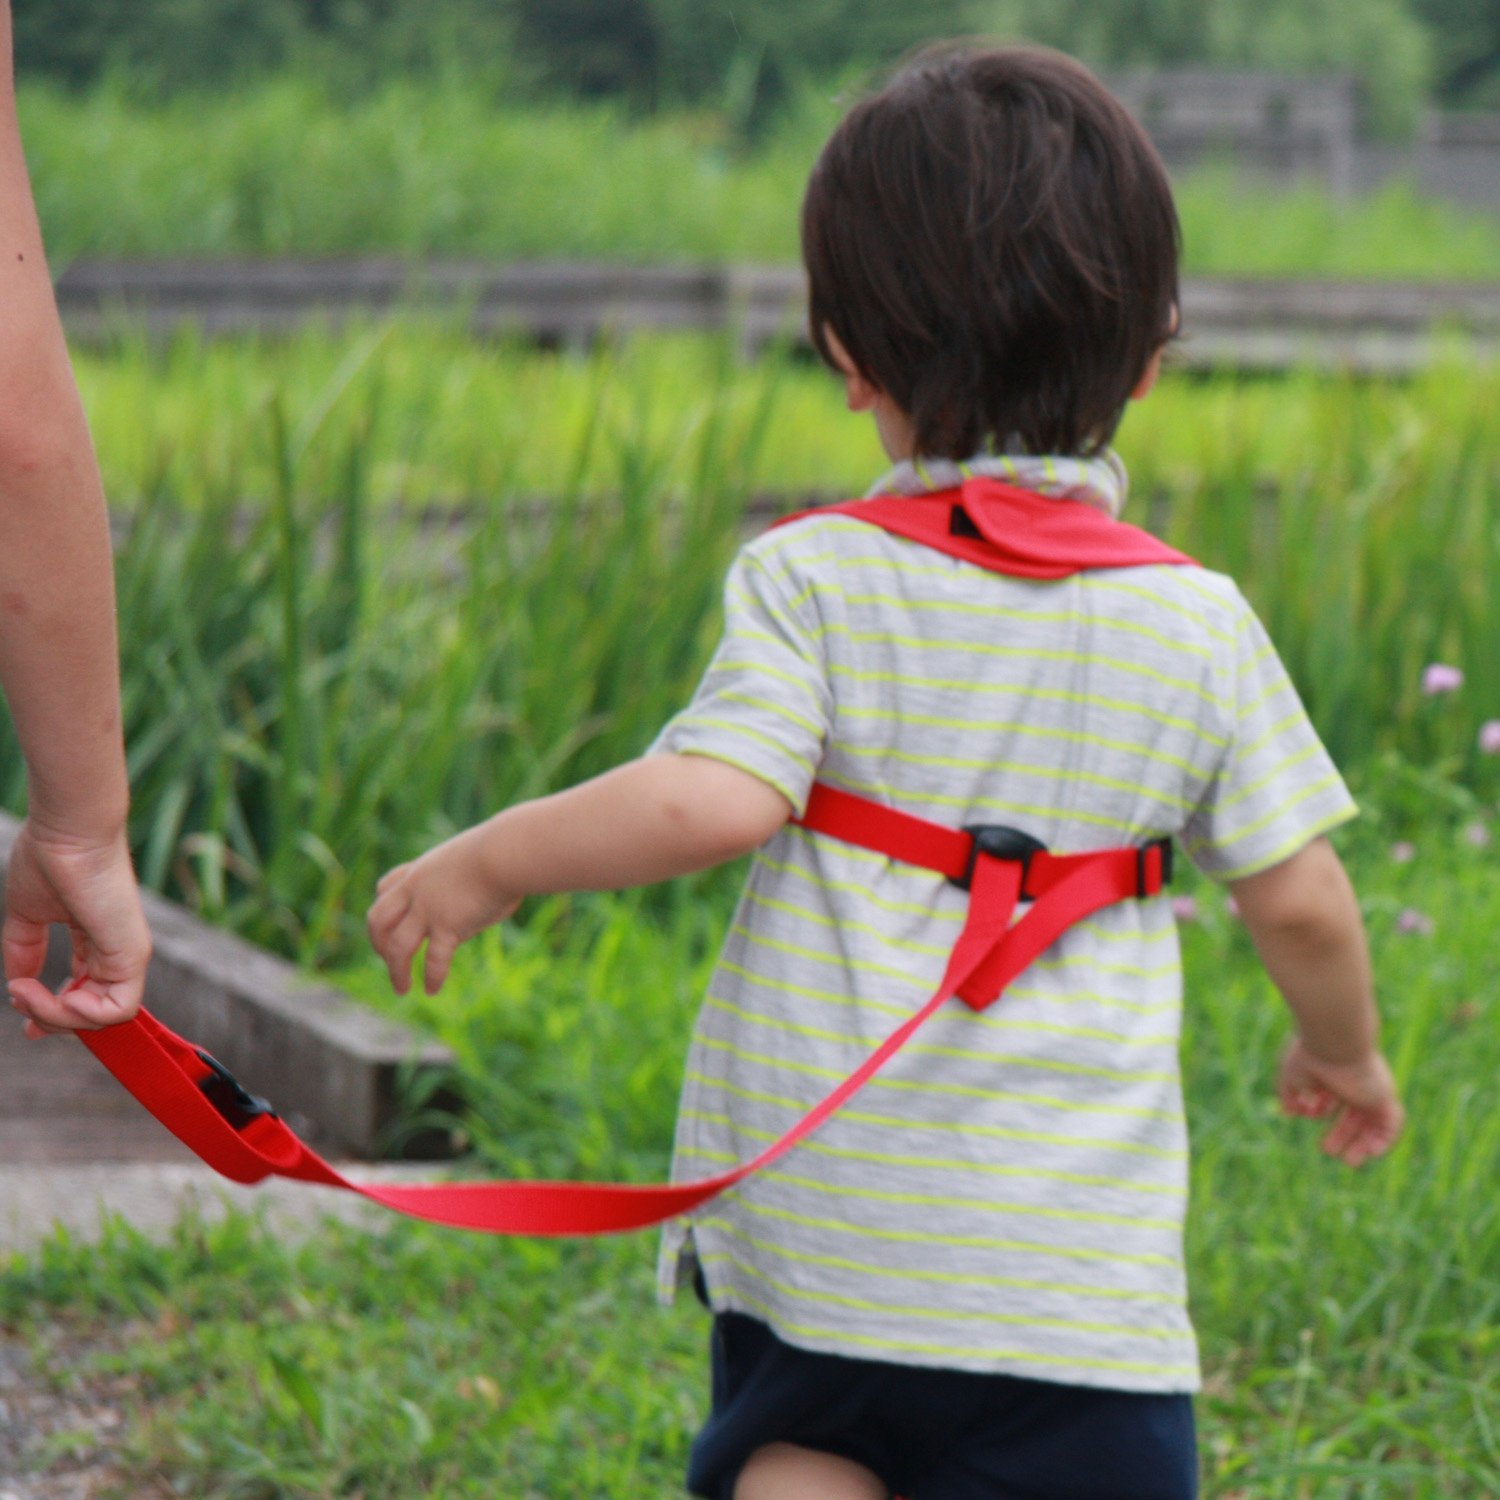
1348,1320
412,169
355,677
322,677
750,55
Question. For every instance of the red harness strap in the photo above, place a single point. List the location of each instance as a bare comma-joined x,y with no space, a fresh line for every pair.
240,1137
1007,530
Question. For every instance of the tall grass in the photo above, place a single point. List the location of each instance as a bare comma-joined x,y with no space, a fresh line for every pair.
283,167
1347,1319
317,683
313,691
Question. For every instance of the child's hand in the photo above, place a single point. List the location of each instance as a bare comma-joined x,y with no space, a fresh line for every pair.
442,899
1363,1094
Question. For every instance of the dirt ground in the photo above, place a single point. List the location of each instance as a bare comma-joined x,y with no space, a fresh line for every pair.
60,1444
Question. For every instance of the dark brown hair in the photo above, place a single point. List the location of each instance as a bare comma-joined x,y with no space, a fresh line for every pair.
993,240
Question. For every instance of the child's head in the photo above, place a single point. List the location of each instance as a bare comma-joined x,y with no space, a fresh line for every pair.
992,240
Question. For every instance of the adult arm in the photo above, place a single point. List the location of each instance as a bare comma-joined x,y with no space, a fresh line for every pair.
58,648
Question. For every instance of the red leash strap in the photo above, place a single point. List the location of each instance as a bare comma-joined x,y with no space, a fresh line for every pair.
240,1137
1008,530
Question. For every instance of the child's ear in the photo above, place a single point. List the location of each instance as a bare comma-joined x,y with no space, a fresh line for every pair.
860,392
1153,365
1148,376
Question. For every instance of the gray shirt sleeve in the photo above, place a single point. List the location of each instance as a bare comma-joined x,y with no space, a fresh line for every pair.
764,704
1275,788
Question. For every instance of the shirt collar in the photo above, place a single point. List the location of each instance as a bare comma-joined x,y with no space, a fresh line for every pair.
1100,482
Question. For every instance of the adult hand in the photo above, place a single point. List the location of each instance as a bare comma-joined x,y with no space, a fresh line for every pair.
88,886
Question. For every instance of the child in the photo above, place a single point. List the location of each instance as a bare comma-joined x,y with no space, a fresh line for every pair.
968,1283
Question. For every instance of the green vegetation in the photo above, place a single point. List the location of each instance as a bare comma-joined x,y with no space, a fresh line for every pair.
346,683
751,55
412,170
318,684
1348,1319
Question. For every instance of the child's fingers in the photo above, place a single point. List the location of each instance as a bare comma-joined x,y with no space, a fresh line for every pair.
1346,1131
25,997
1361,1135
1305,1100
398,945
439,959
385,914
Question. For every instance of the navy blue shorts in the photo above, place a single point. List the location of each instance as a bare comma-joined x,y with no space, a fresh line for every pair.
939,1434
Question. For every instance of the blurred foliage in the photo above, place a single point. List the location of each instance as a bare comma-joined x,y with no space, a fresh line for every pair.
1381,42
1466,40
747,56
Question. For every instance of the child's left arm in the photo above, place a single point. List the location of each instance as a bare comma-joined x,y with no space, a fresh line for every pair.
648,820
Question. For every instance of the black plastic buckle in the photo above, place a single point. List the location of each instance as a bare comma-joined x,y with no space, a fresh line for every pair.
229,1096
1142,873
999,842
961,523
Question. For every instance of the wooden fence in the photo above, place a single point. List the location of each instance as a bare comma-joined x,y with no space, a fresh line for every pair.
1373,327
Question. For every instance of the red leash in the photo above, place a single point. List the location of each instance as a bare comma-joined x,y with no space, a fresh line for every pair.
990,524
241,1137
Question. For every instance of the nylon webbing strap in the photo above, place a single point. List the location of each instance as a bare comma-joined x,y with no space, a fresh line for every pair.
237,1136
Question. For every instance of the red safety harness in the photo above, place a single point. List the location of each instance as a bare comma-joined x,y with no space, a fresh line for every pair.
995,526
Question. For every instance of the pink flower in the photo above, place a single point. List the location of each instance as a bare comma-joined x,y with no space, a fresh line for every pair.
1404,852
1414,921
1439,678
1232,907
1477,835
1489,737
1185,908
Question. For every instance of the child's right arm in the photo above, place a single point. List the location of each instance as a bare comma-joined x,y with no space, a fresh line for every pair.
1305,922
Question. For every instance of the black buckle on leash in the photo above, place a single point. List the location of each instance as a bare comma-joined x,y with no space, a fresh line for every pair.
999,842
1142,874
229,1096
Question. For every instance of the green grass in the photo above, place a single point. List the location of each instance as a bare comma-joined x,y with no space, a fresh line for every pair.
283,168
335,688
1347,1319
340,686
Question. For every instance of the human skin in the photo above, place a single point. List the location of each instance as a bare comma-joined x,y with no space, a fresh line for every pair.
58,649
1304,920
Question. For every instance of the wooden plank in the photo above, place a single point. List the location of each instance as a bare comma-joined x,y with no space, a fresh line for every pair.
1234,322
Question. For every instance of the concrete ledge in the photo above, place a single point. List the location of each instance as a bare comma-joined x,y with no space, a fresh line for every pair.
153,1197
307,1046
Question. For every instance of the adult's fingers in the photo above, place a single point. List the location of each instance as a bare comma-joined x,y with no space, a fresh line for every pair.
24,945
77,1007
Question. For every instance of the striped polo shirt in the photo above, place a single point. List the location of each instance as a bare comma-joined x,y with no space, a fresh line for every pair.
1008,1194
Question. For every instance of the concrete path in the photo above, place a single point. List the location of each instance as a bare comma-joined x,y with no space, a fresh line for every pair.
75,1148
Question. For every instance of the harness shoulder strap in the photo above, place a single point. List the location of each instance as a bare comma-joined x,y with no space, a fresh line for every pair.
1009,530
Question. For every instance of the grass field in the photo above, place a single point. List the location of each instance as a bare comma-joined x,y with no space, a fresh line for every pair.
316,687
1348,1320
285,168
512,652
